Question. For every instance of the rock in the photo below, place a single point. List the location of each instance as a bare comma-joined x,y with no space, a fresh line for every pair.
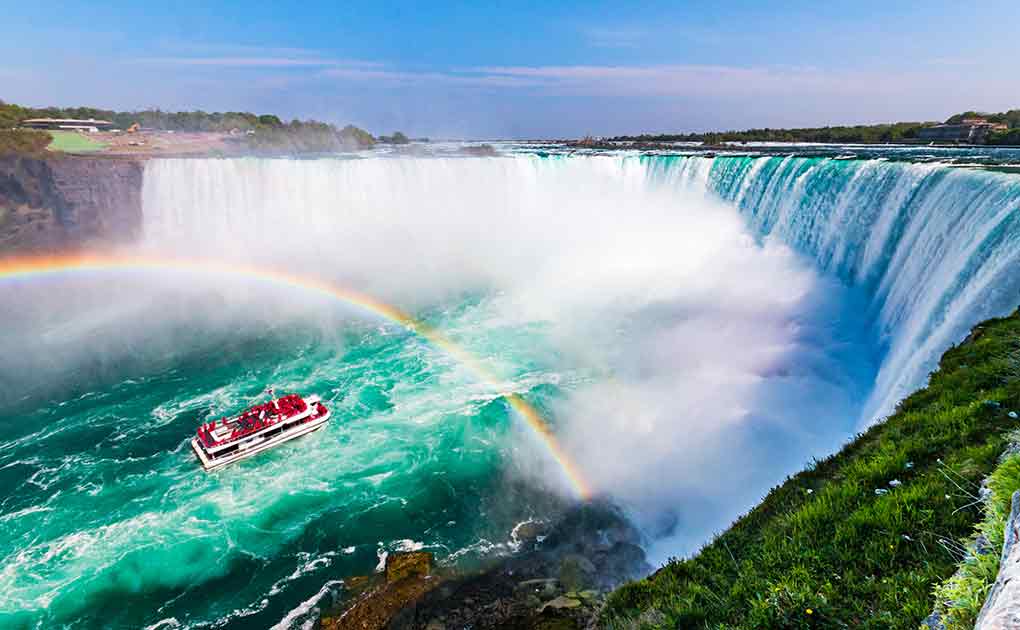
65,202
559,603
933,622
589,594
435,624
1012,414
481,150
651,618
357,583
406,564
881,491
1002,607
577,572
895,483
529,531
537,583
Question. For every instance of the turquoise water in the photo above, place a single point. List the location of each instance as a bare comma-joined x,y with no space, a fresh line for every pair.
107,520
663,312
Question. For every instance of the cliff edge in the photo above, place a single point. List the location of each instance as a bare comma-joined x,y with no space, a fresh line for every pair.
63,203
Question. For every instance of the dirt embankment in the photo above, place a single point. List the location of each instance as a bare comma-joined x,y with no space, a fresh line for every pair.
171,143
63,203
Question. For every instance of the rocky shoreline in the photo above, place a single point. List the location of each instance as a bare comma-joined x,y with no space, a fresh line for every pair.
558,580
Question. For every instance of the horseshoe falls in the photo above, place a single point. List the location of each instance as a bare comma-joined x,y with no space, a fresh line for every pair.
693,329
936,249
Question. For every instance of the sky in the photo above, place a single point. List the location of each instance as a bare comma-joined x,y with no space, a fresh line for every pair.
522,69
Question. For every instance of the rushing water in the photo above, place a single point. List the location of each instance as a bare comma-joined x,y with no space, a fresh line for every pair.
709,321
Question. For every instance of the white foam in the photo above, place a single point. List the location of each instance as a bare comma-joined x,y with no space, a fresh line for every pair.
305,612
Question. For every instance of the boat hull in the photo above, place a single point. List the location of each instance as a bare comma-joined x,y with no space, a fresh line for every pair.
254,448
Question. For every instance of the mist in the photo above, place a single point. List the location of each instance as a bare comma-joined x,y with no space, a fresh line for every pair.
714,364
697,366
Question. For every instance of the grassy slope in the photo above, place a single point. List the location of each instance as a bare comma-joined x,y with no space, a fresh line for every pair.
73,142
823,550
960,598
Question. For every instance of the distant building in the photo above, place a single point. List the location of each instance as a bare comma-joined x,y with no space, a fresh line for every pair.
74,124
968,130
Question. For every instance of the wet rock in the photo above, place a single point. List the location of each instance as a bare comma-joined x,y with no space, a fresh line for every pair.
592,546
357,583
577,573
1002,607
529,532
561,602
403,565
982,546
933,622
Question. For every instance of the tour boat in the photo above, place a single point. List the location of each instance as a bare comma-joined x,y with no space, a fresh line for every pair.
257,429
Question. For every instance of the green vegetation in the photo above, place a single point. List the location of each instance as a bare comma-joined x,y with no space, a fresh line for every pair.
896,132
22,142
867,134
960,598
1011,118
398,137
73,142
1002,138
351,135
264,132
861,539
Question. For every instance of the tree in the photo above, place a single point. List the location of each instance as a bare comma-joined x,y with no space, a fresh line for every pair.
354,138
270,120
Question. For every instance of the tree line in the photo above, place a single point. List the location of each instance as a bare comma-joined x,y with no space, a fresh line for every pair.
864,134
261,131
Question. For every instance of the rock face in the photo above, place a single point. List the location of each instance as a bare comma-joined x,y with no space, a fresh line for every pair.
62,203
558,582
376,605
402,565
1002,608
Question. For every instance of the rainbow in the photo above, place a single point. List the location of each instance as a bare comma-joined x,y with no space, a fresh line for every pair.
32,267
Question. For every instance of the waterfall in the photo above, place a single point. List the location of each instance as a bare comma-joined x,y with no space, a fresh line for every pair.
936,248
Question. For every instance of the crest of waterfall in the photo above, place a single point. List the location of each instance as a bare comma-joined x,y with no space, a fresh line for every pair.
937,248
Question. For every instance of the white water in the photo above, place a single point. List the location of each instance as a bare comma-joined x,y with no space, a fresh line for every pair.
646,271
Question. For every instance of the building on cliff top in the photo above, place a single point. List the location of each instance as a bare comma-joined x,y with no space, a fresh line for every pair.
75,124
968,130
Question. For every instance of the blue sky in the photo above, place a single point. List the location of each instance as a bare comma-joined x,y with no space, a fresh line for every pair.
523,69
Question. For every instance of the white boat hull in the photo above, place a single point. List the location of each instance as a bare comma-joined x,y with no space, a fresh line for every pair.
257,446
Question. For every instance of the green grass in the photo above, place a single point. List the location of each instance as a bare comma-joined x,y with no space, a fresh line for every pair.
960,598
74,142
823,550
